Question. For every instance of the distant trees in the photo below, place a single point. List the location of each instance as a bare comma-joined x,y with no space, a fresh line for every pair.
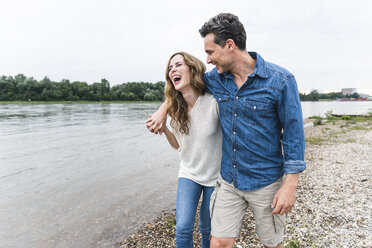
316,96
138,91
21,88
331,95
313,96
355,95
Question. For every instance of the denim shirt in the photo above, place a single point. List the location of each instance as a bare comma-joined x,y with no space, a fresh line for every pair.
262,127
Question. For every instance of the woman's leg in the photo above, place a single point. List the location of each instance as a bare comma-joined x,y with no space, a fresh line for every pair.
204,217
188,194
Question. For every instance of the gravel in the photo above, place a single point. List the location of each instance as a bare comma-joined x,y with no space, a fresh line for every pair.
333,207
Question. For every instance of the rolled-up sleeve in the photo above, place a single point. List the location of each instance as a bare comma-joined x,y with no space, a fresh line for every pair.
290,117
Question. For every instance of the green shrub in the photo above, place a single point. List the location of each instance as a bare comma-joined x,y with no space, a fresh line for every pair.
315,140
359,128
317,120
294,244
171,222
328,113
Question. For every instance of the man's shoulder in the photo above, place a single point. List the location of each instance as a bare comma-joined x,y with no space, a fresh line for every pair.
275,70
212,74
213,81
278,77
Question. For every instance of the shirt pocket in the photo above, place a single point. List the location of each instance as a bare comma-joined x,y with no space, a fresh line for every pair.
223,101
255,111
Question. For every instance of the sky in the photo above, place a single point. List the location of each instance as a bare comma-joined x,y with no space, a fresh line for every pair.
326,44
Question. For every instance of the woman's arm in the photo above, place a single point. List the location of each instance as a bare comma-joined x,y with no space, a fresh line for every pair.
171,138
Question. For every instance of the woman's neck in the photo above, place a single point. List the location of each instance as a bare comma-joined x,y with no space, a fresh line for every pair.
190,97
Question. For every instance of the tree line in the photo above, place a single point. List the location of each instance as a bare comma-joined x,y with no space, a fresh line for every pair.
316,96
22,88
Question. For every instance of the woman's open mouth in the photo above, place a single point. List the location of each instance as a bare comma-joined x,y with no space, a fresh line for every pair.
176,79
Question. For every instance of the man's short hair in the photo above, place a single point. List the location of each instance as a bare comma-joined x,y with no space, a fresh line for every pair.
225,26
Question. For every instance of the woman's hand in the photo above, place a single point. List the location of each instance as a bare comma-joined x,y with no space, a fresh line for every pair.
157,121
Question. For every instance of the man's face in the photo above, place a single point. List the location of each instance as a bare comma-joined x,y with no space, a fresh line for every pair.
216,55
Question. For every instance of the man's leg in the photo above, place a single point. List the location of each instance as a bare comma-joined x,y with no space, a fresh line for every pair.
269,227
221,242
227,208
279,246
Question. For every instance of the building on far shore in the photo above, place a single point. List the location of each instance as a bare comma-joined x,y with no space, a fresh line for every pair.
348,91
363,95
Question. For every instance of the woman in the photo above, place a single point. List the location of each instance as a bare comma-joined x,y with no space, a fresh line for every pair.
196,134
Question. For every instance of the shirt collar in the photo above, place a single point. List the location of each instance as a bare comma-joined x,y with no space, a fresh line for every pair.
259,69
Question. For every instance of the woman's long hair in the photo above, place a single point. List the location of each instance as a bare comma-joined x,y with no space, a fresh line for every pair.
177,106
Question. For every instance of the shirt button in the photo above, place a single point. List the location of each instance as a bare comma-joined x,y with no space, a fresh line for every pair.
234,165
234,132
219,99
235,114
237,97
254,107
234,150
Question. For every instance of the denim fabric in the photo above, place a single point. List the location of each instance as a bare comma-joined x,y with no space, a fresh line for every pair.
262,126
188,195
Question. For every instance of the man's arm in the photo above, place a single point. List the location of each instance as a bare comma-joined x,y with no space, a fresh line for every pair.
290,117
285,198
156,122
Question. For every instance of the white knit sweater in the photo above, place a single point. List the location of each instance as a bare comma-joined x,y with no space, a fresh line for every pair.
200,151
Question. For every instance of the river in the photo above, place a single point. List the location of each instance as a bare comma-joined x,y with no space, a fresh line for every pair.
88,175
80,175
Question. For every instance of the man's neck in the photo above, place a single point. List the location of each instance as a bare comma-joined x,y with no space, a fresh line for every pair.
243,66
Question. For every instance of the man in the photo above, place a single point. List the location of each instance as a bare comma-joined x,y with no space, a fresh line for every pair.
261,117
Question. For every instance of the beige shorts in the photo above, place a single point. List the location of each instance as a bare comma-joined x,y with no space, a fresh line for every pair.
228,206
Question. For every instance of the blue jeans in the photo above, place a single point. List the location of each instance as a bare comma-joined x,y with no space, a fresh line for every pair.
188,195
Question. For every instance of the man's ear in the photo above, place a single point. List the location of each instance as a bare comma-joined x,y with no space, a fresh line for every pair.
230,45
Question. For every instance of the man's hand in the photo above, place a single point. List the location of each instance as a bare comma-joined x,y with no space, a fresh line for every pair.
154,125
285,198
156,122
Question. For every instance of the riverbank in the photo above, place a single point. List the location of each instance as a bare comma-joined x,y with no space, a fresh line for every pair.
333,197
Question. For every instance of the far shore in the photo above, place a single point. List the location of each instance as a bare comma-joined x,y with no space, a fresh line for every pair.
72,102
86,102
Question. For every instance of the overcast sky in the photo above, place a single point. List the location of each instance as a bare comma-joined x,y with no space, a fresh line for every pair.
326,44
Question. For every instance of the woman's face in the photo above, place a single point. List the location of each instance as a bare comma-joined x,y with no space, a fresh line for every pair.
179,73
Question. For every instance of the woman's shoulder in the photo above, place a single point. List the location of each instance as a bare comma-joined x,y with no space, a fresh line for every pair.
207,97
207,101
